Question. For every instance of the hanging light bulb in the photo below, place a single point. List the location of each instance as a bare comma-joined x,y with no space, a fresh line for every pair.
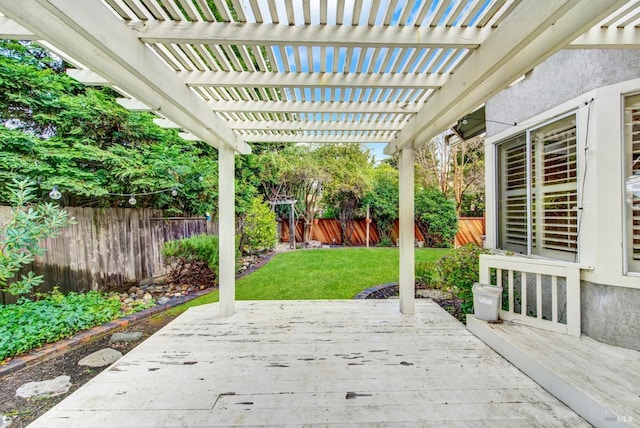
132,200
55,193
174,192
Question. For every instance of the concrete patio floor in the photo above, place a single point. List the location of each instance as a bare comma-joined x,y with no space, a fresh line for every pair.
303,363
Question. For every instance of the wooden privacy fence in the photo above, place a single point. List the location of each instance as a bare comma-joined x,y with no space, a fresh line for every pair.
327,231
108,248
470,230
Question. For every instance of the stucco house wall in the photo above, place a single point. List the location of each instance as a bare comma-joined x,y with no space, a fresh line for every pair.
591,83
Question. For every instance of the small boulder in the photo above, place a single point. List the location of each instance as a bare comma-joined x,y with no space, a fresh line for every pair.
101,358
147,297
5,421
163,300
125,337
47,388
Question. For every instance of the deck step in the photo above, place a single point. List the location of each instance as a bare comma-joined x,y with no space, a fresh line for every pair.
599,382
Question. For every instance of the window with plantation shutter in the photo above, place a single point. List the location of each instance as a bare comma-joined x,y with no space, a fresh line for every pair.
537,193
512,205
554,187
632,167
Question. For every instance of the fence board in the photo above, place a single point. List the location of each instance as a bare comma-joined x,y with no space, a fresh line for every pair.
108,248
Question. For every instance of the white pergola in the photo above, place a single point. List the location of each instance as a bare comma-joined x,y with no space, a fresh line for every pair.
229,72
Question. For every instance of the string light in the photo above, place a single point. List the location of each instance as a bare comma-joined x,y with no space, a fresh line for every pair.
55,193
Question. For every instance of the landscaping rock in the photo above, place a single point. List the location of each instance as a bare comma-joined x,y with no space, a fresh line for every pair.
47,388
125,337
162,300
147,296
101,358
5,421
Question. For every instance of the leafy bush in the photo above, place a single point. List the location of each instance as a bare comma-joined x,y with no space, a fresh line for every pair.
193,260
385,242
436,217
459,270
29,324
258,227
19,236
455,273
428,272
203,248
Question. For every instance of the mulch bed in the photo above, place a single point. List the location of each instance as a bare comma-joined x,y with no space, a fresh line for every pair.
447,301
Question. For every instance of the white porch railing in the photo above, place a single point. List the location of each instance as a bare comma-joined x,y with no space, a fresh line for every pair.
540,293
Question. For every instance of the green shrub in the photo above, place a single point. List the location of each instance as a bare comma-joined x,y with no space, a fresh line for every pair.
459,270
194,260
428,272
29,324
385,242
28,224
436,218
455,273
258,227
202,248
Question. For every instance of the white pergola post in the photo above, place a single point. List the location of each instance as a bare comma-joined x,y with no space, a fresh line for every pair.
227,230
407,232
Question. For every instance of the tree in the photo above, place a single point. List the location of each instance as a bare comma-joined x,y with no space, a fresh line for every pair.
20,235
383,199
436,217
59,133
350,172
258,227
303,175
452,165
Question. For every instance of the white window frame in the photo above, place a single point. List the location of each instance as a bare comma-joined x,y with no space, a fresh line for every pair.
602,239
631,268
527,132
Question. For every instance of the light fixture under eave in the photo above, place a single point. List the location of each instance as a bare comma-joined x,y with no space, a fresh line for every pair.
55,193
132,200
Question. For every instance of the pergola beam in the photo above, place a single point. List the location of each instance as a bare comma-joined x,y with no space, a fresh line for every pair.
105,45
312,80
238,33
315,126
529,35
313,107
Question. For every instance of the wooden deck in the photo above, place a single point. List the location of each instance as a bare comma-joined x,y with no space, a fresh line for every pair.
599,381
312,363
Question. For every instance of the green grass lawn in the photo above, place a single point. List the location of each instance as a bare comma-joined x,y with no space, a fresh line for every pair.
319,274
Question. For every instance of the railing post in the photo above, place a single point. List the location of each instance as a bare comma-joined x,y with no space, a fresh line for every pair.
484,269
573,302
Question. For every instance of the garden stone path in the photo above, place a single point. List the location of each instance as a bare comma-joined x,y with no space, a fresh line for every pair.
101,358
47,388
